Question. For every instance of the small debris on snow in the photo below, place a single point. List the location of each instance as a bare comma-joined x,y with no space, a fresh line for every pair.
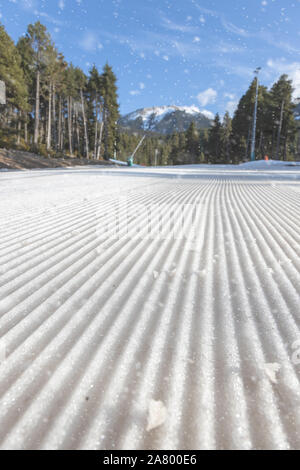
271,370
172,273
157,414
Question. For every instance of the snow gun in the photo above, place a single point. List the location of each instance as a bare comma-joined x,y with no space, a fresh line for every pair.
130,160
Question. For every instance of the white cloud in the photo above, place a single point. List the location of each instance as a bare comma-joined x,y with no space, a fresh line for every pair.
181,28
231,96
61,4
231,106
90,42
232,28
208,96
263,35
232,103
51,19
29,4
281,67
134,92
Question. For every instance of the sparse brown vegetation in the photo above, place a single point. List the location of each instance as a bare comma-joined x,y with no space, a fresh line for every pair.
21,160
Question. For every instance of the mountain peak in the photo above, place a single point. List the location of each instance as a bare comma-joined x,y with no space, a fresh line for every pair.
166,119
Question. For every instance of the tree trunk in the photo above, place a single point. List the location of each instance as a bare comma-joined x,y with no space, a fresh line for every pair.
60,124
63,132
77,131
73,127
19,132
54,127
86,139
279,131
96,131
99,145
260,145
273,142
37,109
49,118
100,141
228,151
26,129
285,149
96,138
70,124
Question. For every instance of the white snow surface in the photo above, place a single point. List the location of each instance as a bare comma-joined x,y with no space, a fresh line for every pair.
119,340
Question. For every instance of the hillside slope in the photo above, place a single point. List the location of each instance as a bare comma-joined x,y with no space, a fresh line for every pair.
19,160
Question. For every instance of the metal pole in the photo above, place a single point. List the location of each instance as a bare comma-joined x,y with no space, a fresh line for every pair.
255,117
248,142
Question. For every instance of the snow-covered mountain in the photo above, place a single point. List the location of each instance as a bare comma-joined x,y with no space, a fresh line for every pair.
166,119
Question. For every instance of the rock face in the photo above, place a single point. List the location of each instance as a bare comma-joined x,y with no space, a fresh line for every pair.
165,119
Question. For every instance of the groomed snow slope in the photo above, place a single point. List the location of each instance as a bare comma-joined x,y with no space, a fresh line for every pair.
94,326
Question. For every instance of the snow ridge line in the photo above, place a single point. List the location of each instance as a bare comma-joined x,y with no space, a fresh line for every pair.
96,327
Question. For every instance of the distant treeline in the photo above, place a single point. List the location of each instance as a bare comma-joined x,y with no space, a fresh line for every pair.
55,109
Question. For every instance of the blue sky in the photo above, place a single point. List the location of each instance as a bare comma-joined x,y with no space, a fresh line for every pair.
182,52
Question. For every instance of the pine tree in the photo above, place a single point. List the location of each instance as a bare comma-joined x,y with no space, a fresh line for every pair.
72,99
110,111
52,70
226,138
215,140
95,109
242,123
193,143
81,84
25,51
12,74
175,149
39,40
282,108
